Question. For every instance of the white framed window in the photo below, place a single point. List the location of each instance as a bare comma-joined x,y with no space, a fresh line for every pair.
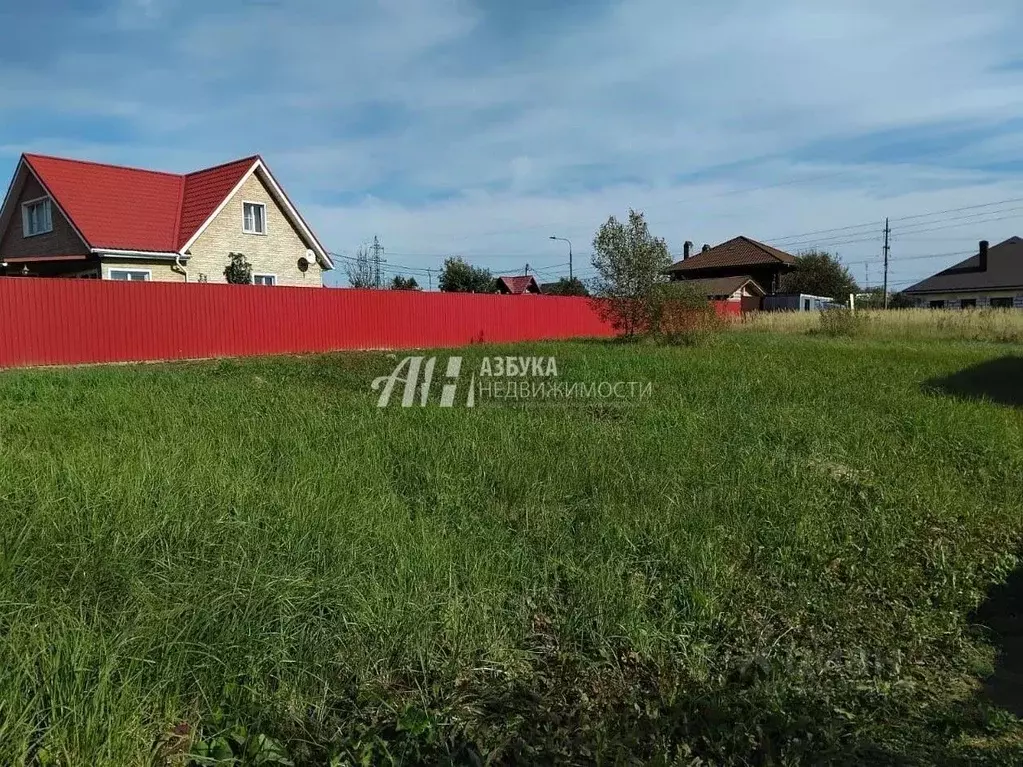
253,218
130,275
264,279
36,217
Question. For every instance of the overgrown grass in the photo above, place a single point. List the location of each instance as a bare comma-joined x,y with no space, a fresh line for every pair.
770,560
996,325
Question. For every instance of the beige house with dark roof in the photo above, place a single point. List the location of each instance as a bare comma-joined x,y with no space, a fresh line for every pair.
992,278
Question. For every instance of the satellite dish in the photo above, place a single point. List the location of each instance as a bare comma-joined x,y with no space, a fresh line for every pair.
303,264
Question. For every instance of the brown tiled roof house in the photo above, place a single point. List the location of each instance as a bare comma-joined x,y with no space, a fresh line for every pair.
739,257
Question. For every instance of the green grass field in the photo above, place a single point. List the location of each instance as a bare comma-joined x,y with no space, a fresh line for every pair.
995,325
771,560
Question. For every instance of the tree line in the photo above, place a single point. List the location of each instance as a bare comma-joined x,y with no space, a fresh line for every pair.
629,261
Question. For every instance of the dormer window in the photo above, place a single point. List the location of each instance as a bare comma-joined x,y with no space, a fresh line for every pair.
254,218
36,217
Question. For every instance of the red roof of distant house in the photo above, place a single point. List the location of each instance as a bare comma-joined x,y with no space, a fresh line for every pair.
740,251
519,285
133,209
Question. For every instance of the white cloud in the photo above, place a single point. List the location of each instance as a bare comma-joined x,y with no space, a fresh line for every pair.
425,123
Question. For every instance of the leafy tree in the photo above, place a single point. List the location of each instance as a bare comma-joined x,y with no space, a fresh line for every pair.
360,270
458,276
875,300
567,287
630,262
901,301
404,283
239,270
819,273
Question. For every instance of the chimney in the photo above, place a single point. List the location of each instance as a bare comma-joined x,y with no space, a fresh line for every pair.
687,250
706,247
982,266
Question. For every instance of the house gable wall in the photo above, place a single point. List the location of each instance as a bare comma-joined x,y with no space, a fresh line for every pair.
767,276
62,241
277,252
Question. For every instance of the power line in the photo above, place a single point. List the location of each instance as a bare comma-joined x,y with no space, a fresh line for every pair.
908,258
919,228
956,210
965,223
805,235
393,270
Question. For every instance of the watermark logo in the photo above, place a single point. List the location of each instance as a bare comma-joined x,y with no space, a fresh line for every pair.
494,379
418,380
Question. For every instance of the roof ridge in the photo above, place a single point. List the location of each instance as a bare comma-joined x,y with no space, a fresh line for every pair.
103,164
251,159
763,246
759,245
177,216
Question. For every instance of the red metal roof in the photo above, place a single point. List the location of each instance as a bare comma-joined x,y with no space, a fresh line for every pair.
519,285
204,190
133,209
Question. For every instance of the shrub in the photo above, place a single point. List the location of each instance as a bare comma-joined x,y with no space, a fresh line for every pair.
567,287
680,315
238,270
841,322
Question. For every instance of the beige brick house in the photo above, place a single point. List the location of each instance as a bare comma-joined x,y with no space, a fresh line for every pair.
70,218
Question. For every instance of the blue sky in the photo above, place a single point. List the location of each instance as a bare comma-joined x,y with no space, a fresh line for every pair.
480,127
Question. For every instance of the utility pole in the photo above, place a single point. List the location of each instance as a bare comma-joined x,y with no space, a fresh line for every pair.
527,270
377,250
429,276
866,270
887,248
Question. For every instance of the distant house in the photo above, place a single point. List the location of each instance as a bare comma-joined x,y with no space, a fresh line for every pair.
518,286
741,290
70,218
740,257
993,277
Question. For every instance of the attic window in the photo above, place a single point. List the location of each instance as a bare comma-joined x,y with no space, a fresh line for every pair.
254,218
36,217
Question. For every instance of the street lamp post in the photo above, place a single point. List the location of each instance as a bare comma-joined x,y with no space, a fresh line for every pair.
564,239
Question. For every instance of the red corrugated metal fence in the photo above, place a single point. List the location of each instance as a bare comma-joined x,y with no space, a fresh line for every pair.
58,322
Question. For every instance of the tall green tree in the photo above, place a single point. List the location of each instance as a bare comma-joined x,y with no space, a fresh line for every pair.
629,262
459,276
819,273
